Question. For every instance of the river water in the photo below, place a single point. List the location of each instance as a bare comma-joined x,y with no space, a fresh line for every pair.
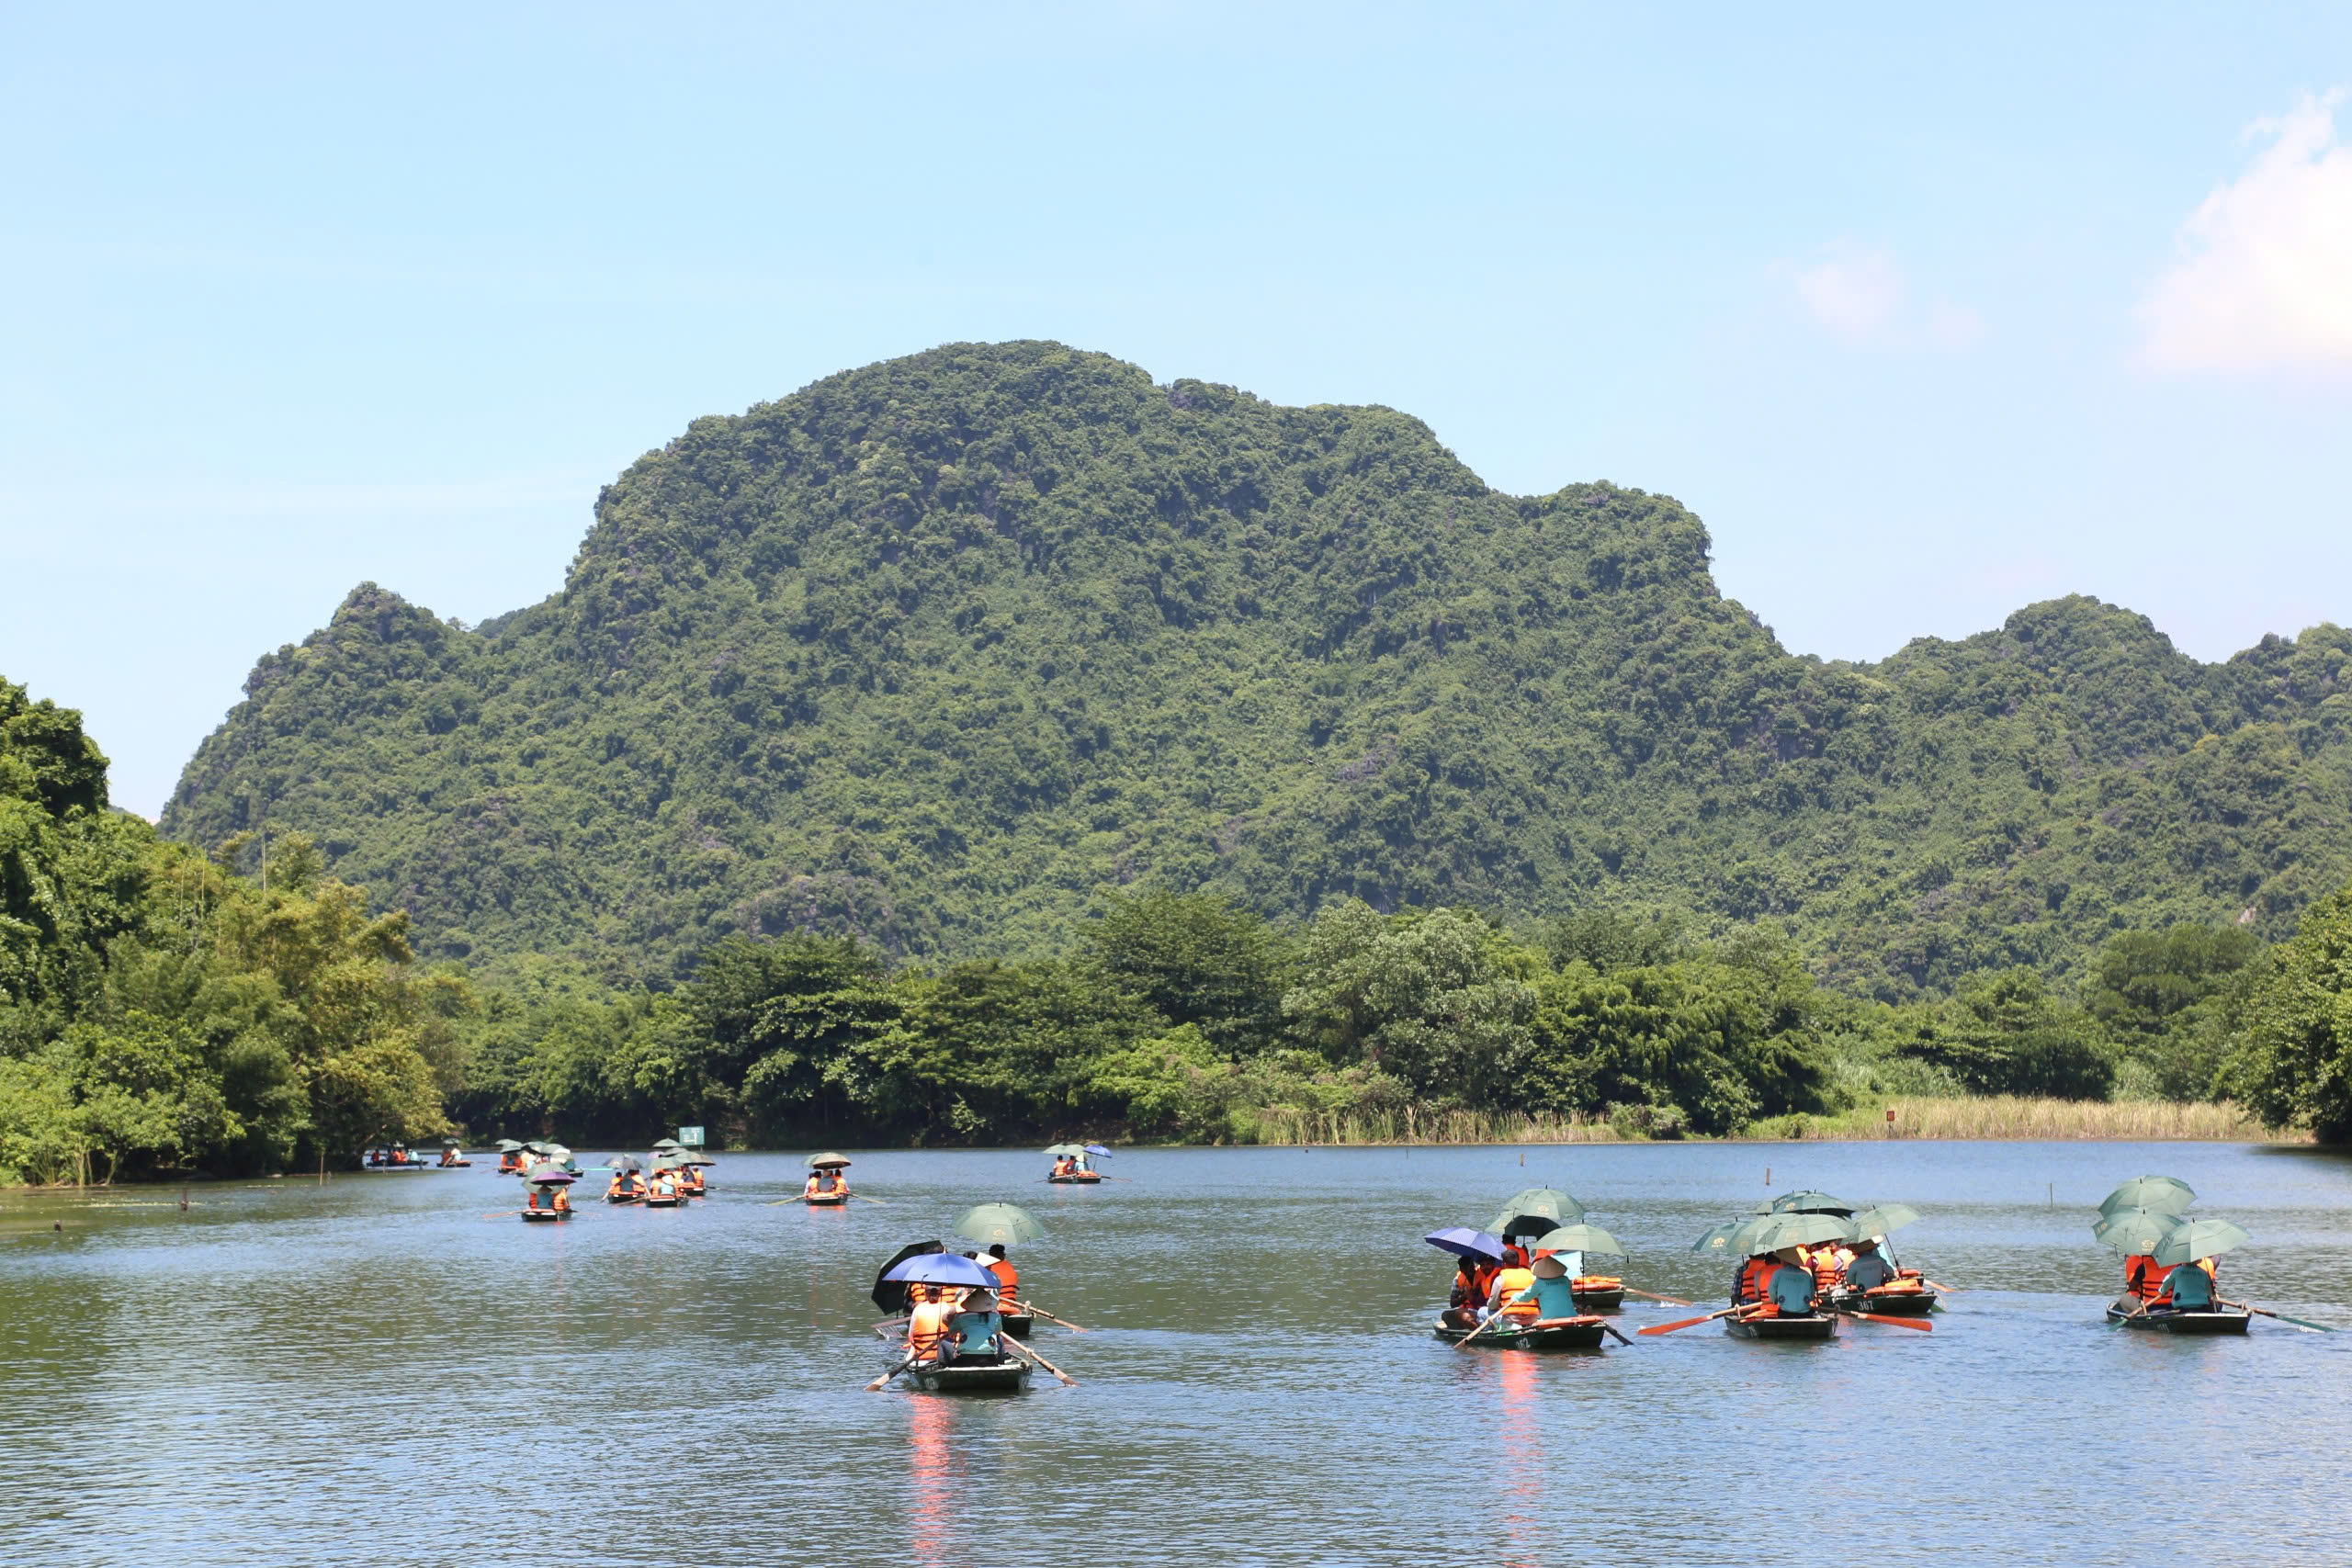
370,1372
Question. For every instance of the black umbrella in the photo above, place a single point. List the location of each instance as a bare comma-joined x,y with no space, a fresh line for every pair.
888,1293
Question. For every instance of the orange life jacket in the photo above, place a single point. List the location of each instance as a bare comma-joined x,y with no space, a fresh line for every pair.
1753,1275
1008,1279
2141,1278
1512,1282
563,1200
926,1325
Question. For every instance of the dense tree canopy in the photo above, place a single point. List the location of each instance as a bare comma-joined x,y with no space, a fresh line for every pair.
935,653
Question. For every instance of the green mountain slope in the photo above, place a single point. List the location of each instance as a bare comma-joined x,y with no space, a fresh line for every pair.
934,650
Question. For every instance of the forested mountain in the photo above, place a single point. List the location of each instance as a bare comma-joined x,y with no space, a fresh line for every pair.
936,651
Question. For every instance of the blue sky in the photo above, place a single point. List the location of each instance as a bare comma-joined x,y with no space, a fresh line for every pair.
1928,316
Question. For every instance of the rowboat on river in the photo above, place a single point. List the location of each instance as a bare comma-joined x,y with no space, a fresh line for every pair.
2162,1320
1550,1334
1809,1326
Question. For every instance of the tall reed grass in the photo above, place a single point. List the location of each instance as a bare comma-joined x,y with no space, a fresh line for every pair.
2017,1118
1999,1117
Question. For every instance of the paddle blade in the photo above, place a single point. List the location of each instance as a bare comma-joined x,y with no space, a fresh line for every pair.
1920,1324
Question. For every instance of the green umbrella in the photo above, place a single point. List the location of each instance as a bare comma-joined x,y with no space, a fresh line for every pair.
664,1162
1002,1224
507,1145
1718,1240
1811,1202
697,1157
826,1161
1580,1237
663,1146
1777,1231
1058,1150
1537,1204
2134,1231
1884,1220
2192,1239
2165,1194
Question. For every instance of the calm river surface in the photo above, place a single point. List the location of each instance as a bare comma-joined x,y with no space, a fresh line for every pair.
372,1372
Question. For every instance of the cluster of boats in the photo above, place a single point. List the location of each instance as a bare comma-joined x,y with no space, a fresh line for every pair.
399,1156
667,1179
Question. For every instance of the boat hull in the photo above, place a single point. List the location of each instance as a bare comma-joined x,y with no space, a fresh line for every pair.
1556,1334
664,1203
2181,1321
625,1198
990,1374
546,1216
1803,1329
1602,1300
1018,1324
1074,1180
827,1201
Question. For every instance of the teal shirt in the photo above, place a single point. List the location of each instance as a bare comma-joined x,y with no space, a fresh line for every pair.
972,1331
1553,1298
1790,1289
1868,1271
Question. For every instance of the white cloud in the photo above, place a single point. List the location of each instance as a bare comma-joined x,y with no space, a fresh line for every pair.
2265,277
1863,296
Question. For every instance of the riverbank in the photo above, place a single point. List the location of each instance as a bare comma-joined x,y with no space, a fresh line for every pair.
1997,1118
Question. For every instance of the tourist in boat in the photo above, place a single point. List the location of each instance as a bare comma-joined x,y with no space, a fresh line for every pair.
690,1180
926,1327
560,1201
1007,1277
1870,1269
1550,1291
2188,1286
1064,1165
1787,1286
1474,1282
663,1184
1509,1295
973,1326
626,1184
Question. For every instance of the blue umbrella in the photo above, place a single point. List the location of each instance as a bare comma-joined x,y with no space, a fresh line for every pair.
1098,1150
940,1269
1464,1242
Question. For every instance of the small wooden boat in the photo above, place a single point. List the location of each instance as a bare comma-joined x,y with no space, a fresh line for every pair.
1076,1178
660,1201
1551,1333
972,1374
1018,1323
545,1215
825,1199
1817,1325
2167,1321
1599,1293
1903,1298
624,1197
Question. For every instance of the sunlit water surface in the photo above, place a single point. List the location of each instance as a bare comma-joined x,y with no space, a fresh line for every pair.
374,1372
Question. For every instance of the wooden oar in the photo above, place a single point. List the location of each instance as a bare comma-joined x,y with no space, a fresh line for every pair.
1923,1326
1611,1330
1653,1295
1026,1354
2127,1317
864,1199
2298,1323
1498,1317
875,1386
1945,1290
1689,1322
1034,1310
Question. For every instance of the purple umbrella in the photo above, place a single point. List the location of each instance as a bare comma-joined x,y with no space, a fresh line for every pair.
550,1176
940,1269
1464,1242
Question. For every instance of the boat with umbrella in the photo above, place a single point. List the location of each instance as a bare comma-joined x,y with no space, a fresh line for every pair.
696,1165
1907,1295
549,1180
629,1179
1079,1170
1584,1241
828,1183
662,1187
2174,1243
1002,1224
1763,1235
511,1161
1000,1372
1583,1332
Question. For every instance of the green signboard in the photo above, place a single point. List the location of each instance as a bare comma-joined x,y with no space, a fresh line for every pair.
690,1136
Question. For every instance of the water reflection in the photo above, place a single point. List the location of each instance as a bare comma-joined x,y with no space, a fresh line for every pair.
933,1501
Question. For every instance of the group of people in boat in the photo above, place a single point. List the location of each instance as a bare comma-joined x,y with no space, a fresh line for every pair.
1070,1168
945,1323
826,1181
1522,1287
558,1196
1793,1282
663,1185
2150,1286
